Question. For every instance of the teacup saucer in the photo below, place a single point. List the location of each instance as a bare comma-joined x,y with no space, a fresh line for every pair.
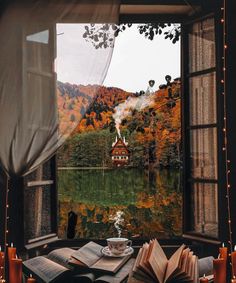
106,251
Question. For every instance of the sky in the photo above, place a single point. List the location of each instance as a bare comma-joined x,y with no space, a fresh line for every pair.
135,59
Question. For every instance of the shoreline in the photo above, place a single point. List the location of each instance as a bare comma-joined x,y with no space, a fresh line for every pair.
111,168
83,168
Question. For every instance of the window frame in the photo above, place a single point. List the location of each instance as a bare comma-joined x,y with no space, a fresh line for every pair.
187,180
163,18
51,237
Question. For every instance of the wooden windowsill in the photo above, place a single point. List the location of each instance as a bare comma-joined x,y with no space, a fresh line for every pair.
40,242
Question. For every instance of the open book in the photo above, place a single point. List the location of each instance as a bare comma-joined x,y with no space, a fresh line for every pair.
90,256
120,277
53,268
62,264
152,265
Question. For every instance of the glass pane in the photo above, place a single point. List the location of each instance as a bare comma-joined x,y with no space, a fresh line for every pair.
39,52
203,99
44,172
202,46
204,209
37,212
203,149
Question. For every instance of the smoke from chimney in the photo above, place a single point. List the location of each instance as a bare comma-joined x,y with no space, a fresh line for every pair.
125,108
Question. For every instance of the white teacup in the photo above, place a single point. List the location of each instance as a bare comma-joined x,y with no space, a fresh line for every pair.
118,245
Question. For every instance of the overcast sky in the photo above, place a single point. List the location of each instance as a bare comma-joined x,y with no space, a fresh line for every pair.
135,59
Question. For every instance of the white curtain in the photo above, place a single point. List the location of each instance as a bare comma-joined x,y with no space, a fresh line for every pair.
49,75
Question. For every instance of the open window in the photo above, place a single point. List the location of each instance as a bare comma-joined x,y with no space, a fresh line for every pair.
200,121
200,139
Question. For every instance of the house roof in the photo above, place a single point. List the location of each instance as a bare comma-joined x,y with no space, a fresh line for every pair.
120,139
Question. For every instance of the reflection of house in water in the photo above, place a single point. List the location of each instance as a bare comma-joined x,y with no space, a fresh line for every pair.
120,153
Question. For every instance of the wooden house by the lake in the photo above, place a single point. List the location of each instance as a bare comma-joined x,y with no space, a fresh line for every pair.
120,153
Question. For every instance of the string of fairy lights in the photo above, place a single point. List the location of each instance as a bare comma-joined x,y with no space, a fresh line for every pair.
6,221
225,146
6,230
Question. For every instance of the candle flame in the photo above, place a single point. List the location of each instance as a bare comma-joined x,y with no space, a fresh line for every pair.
204,276
31,276
235,248
0,248
223,245
11,245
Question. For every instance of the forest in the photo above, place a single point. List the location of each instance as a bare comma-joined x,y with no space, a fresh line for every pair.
153,131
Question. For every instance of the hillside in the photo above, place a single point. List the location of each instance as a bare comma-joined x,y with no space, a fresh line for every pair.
151,125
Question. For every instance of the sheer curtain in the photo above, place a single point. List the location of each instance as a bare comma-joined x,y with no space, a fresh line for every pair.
49,74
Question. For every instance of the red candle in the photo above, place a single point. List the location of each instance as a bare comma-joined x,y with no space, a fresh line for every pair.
11,252
233,259
223,252
31,279
15,275
2,259
204,280
219,270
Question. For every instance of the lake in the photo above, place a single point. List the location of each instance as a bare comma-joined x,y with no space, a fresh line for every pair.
151,202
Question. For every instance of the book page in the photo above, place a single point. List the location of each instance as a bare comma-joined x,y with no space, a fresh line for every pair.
44,268
84,278
193,268
61,256
196,272
158,261
173,263
89,254
137,260
120,276
137,273
188,267
109,264
144,264
182,273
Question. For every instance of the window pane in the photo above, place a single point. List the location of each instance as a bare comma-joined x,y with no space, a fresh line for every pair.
38,201
203,149
37,212
204,209
202,46
203,99
39,52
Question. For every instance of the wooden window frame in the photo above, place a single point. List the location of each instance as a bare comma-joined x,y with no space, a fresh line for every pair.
187,180
35,243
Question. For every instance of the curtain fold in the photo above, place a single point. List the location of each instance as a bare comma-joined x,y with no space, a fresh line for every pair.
49,75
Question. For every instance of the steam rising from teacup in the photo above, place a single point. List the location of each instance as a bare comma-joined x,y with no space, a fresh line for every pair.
119,221
125,108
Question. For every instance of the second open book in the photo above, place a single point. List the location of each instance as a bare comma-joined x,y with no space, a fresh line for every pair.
152,265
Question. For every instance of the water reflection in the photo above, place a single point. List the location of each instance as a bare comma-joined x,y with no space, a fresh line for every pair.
151,202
